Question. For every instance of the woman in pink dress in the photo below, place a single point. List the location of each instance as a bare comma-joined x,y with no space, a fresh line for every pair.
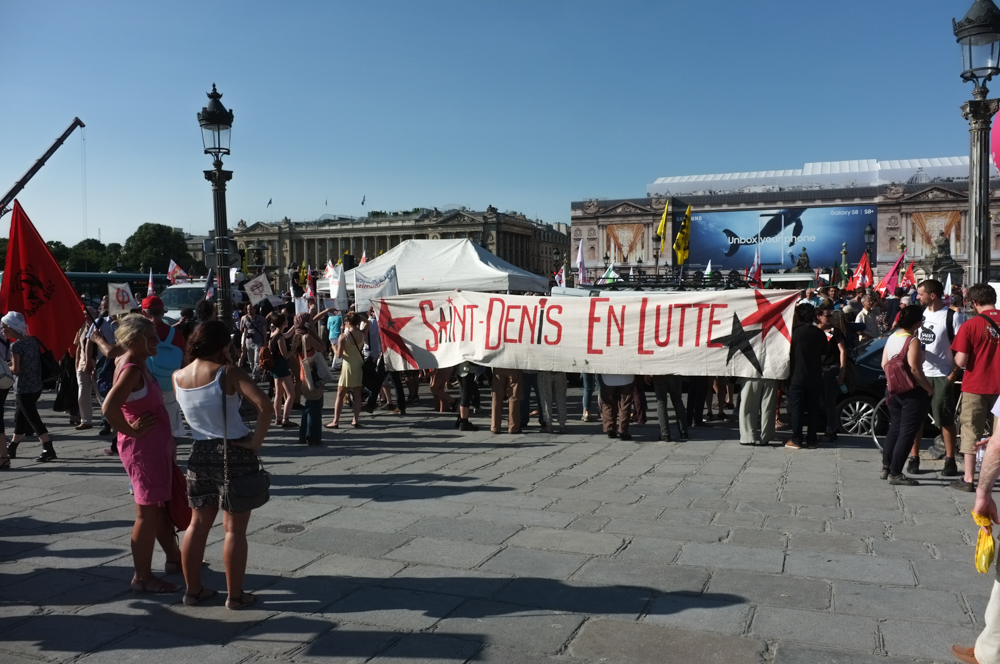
134,408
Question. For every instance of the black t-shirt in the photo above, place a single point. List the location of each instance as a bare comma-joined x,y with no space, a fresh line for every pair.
809,345
831,358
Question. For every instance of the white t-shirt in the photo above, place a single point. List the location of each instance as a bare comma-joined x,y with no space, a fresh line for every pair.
933,334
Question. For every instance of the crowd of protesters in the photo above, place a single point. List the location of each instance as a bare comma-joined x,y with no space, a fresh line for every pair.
155,380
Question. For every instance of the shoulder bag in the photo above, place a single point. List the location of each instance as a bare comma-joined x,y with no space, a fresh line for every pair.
248,492
898,378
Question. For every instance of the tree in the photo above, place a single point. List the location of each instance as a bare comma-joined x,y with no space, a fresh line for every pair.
90,255
154,246
59,251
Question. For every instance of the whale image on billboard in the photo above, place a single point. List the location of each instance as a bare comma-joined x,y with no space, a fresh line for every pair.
730,238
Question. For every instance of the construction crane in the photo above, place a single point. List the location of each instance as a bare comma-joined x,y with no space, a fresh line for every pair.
19,185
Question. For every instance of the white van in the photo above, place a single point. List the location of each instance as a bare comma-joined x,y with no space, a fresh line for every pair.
181,296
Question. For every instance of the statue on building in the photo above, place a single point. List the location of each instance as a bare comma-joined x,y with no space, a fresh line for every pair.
802,263
942,246
940,264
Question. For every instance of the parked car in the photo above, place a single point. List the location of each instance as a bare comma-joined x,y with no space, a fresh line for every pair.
866,385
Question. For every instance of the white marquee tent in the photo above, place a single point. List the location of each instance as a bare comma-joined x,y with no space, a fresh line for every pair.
438,265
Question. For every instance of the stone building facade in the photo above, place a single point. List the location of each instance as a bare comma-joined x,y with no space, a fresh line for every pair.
523,242
914,211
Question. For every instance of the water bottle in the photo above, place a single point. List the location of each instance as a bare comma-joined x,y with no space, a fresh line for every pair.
980,452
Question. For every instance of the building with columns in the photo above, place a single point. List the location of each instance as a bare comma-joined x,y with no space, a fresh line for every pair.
526,243
917,201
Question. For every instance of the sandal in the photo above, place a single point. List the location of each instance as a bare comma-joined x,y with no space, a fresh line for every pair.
190,599
154,586
333,425
245,599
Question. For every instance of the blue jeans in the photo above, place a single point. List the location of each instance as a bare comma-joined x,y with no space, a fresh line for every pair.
589,387
310,428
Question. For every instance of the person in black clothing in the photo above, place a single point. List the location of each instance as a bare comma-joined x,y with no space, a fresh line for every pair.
834,370
805,385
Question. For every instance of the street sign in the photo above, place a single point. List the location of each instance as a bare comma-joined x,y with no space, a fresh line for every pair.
210,256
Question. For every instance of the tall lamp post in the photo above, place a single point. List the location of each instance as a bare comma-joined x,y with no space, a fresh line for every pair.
869,241
656,256
216,123
978,35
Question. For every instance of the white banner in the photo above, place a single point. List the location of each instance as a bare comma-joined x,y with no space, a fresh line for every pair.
370,288
694,333
120,299
338,288
258,289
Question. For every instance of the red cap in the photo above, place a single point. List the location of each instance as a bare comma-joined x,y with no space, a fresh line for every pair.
152,303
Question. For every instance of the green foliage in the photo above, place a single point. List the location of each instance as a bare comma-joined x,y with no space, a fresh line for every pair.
90,255
154,246
3,250
59,251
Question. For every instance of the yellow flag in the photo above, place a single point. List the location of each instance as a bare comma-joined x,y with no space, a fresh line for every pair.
662,230
683,242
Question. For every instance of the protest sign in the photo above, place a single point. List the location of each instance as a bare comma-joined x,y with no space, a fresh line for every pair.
693,333
258,289
120,299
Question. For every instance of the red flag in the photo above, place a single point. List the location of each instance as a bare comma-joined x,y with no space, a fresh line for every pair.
863,276
909,279
35,285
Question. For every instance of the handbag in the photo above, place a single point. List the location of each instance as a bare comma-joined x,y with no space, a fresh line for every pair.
898,378
178,509
50,367
248,492
310,385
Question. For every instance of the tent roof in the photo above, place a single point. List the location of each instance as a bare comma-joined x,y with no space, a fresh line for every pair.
437,265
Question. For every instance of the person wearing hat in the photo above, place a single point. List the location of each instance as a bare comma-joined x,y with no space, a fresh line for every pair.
163,365
26,365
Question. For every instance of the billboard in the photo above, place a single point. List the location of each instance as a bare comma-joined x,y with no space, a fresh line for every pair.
729,238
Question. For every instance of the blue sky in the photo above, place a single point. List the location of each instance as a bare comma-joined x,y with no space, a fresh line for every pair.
523,105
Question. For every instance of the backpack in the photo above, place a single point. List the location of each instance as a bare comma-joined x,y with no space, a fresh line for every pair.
167,360
265,359
898,378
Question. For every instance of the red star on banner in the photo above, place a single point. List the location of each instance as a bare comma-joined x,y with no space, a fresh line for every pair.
390,327
769,314
443,324
450,301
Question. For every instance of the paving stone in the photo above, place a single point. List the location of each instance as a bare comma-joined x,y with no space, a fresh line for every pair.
471,530
349,643
670,531
719,614
361,518
848,632
430,551
642,643
738,520
392,607
774,590
350,567
686,516
512,626
576,597
292,511
305,595
650,549
534,563
659,576
848,567
906,603
947,575
821,512
769,539
794,524
827,542
903,549
59,636
431,649
73,553
764,508
876,514
589,523
151,647
513,516
349,542
874,529
567,540
730,556
270,556
794,653
920,639
929,534
466,583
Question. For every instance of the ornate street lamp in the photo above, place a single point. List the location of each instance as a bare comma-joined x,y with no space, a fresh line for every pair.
869,241
656,256
216,123
607,261
978,36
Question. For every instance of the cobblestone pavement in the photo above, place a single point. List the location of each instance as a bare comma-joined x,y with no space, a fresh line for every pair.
407,541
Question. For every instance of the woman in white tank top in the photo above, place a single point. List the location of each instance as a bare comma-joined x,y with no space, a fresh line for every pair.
200,387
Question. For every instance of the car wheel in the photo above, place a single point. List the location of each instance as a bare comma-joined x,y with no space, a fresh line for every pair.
855,415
